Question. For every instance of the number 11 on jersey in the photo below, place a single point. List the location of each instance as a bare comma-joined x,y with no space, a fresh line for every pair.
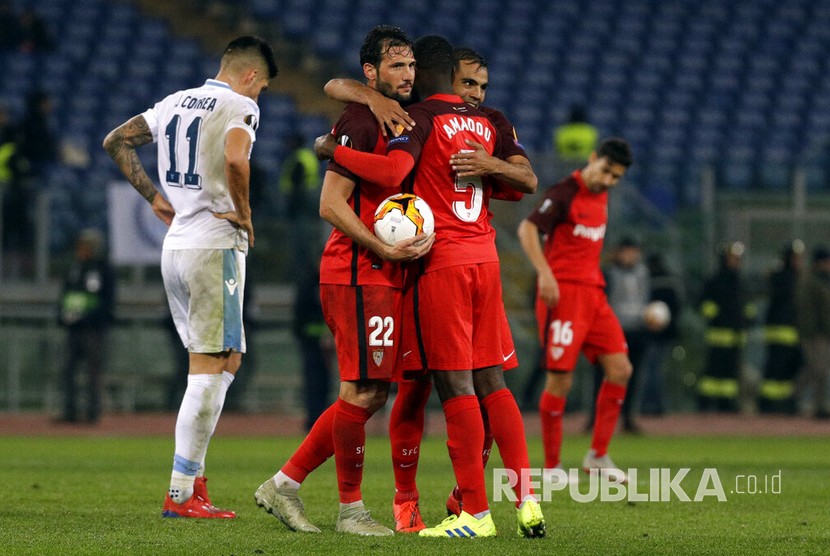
192,180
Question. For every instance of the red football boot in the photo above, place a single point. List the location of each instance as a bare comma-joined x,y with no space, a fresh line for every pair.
198,506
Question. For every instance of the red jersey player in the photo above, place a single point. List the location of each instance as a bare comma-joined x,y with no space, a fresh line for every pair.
360,290
406,422
571,307
457,294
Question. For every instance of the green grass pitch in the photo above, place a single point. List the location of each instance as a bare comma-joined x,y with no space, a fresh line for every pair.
104,495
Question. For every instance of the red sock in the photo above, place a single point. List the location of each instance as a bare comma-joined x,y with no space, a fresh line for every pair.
487,448
406,429
349,433
316,448
509,432
609,402
551,409
465,436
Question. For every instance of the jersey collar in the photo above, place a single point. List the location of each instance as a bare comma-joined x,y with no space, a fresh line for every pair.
217,83
446,97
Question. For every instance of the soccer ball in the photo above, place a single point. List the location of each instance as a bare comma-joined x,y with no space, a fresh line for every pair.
657,315
403,216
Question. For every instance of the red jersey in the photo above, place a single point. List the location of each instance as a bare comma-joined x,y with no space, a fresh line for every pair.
574,220
344,261
510,146
463,234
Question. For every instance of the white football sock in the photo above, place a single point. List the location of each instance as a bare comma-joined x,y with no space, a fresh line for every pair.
284,481
197,417
227,380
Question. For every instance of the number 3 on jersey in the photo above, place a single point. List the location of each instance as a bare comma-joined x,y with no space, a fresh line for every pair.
192,180
468,209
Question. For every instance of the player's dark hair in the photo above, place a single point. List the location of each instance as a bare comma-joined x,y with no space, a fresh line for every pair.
250,43
378,42
434,54
464,54
617,150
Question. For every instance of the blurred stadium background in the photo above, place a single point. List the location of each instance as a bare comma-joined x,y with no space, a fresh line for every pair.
726,104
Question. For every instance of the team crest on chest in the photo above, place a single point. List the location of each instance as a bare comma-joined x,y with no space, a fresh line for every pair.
377,356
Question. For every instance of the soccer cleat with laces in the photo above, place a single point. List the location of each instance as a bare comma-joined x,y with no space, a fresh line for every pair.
530,518
285,505
196,507
454,503
357,521
408,517
606,468
462,526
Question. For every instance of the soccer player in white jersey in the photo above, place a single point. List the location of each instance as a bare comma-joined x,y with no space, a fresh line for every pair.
204,137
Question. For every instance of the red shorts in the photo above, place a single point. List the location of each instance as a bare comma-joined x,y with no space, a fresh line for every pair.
366,323
581,321
458,320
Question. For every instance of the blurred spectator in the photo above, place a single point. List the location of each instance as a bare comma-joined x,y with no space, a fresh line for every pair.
315,341
575,140
36,136
781,335
35,153
8,150
34,36
813,317
728,312
665,287
86,310
300,199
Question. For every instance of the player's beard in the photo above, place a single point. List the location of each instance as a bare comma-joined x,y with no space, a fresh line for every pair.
387,90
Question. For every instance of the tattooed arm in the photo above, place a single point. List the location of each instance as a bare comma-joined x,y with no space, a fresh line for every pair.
120,144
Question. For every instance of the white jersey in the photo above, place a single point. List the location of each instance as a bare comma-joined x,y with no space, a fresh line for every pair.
190,128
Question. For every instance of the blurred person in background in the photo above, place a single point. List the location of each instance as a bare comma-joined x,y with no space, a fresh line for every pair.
87,307
299,190
574,140
813,318
783,353
728,313
665,287
36,153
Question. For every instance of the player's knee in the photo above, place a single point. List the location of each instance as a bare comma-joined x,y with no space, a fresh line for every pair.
620,372
377,401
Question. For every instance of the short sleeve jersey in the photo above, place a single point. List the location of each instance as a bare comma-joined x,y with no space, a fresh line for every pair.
463,234
574,220
345,262
190,127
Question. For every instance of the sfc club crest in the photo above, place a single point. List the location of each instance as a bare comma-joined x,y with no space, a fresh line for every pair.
377,356
556,352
